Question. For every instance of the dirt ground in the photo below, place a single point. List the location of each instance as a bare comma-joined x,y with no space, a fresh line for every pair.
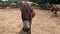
11,23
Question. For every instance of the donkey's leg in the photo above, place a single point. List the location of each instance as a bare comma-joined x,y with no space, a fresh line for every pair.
55,14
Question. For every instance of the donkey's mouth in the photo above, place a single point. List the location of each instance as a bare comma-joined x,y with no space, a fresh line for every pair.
26,24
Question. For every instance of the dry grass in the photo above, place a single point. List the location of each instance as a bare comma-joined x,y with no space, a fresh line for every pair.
11,23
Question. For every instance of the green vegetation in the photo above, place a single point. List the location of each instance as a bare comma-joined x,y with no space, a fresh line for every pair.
37,1
44,1
11,1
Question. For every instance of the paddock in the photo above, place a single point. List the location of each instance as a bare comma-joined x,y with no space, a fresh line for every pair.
11,22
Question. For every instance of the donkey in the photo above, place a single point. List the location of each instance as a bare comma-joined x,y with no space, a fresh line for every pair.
27,15
55,9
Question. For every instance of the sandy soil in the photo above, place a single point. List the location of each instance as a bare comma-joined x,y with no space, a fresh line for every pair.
11,23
